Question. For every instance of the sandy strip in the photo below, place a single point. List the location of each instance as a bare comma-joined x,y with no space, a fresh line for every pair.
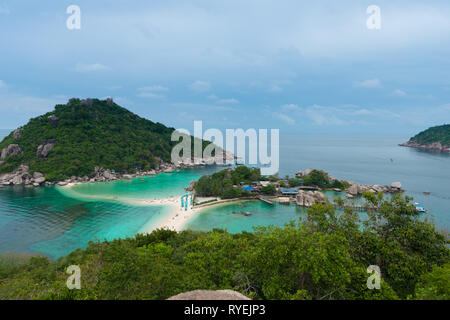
177,217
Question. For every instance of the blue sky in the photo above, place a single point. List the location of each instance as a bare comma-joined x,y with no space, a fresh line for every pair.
294,65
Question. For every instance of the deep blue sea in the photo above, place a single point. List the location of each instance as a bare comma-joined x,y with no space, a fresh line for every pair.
52,222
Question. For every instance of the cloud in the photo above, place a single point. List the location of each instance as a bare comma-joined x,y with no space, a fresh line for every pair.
290,107
275,89
4,9
398,93
284,117
368,84
156,88
200,86
83,67
2,84
228,101
152,92
212,97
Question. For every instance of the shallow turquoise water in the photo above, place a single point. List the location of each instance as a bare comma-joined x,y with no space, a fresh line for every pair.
56,221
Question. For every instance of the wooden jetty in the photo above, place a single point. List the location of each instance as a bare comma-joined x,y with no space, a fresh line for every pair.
266,200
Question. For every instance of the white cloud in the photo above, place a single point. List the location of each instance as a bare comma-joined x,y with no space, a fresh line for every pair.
290,107
228,101
212,97
283,117
152,92
156,88
83,67
368,84
200,86
398,93
4,9
275,89
2,84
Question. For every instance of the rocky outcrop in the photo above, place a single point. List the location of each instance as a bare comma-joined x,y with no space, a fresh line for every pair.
17,133
43,149
308,198
21,176
210,295
435,146
356,189
12,149
54,120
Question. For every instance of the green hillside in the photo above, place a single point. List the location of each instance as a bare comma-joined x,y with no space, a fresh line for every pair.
434,134
82,134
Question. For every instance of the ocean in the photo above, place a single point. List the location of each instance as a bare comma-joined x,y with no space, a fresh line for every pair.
55,221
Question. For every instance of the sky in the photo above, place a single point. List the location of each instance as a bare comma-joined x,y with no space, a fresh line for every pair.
298,66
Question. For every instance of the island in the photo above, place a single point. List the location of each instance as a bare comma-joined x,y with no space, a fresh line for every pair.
433,139
87,140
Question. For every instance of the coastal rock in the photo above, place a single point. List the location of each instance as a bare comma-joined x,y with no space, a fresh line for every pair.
304,173
210,295
39,180
12,149
37,175
43,149
63,183
354,189
308,198
17,180
54,120
396,185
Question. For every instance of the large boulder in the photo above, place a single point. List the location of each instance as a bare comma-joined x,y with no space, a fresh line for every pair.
43,149
12,149
54,120
17,133
210,295
396,185
354,189
308,198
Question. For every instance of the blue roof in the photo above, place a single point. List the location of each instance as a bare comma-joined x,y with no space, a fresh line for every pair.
248,188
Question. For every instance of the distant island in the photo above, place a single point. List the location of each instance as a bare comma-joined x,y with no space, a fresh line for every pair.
433,139
85,140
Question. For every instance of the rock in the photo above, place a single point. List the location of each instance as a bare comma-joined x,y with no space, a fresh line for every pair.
12,149
354,189
39,180
17,133
35,184
2,162
62,183
54,120
43,149
109,101
17,180
304,173
308,198
37,175
108,175
396,185
210,295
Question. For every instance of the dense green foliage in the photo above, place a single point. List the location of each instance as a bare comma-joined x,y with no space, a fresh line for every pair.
320,178
222,183
323,256
269,190
434,134
89,135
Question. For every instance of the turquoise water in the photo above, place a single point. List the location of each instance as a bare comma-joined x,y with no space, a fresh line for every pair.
55,221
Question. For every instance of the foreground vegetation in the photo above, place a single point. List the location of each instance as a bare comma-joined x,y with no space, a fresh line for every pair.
322,256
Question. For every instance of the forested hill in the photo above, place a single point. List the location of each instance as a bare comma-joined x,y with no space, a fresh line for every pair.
437,137
75,138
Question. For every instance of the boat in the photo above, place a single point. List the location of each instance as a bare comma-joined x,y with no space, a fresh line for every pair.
244,213
419,208
426,192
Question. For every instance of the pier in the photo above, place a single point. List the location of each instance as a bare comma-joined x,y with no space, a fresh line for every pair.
266,200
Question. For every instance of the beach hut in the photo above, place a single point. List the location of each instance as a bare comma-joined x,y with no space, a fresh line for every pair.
288,192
